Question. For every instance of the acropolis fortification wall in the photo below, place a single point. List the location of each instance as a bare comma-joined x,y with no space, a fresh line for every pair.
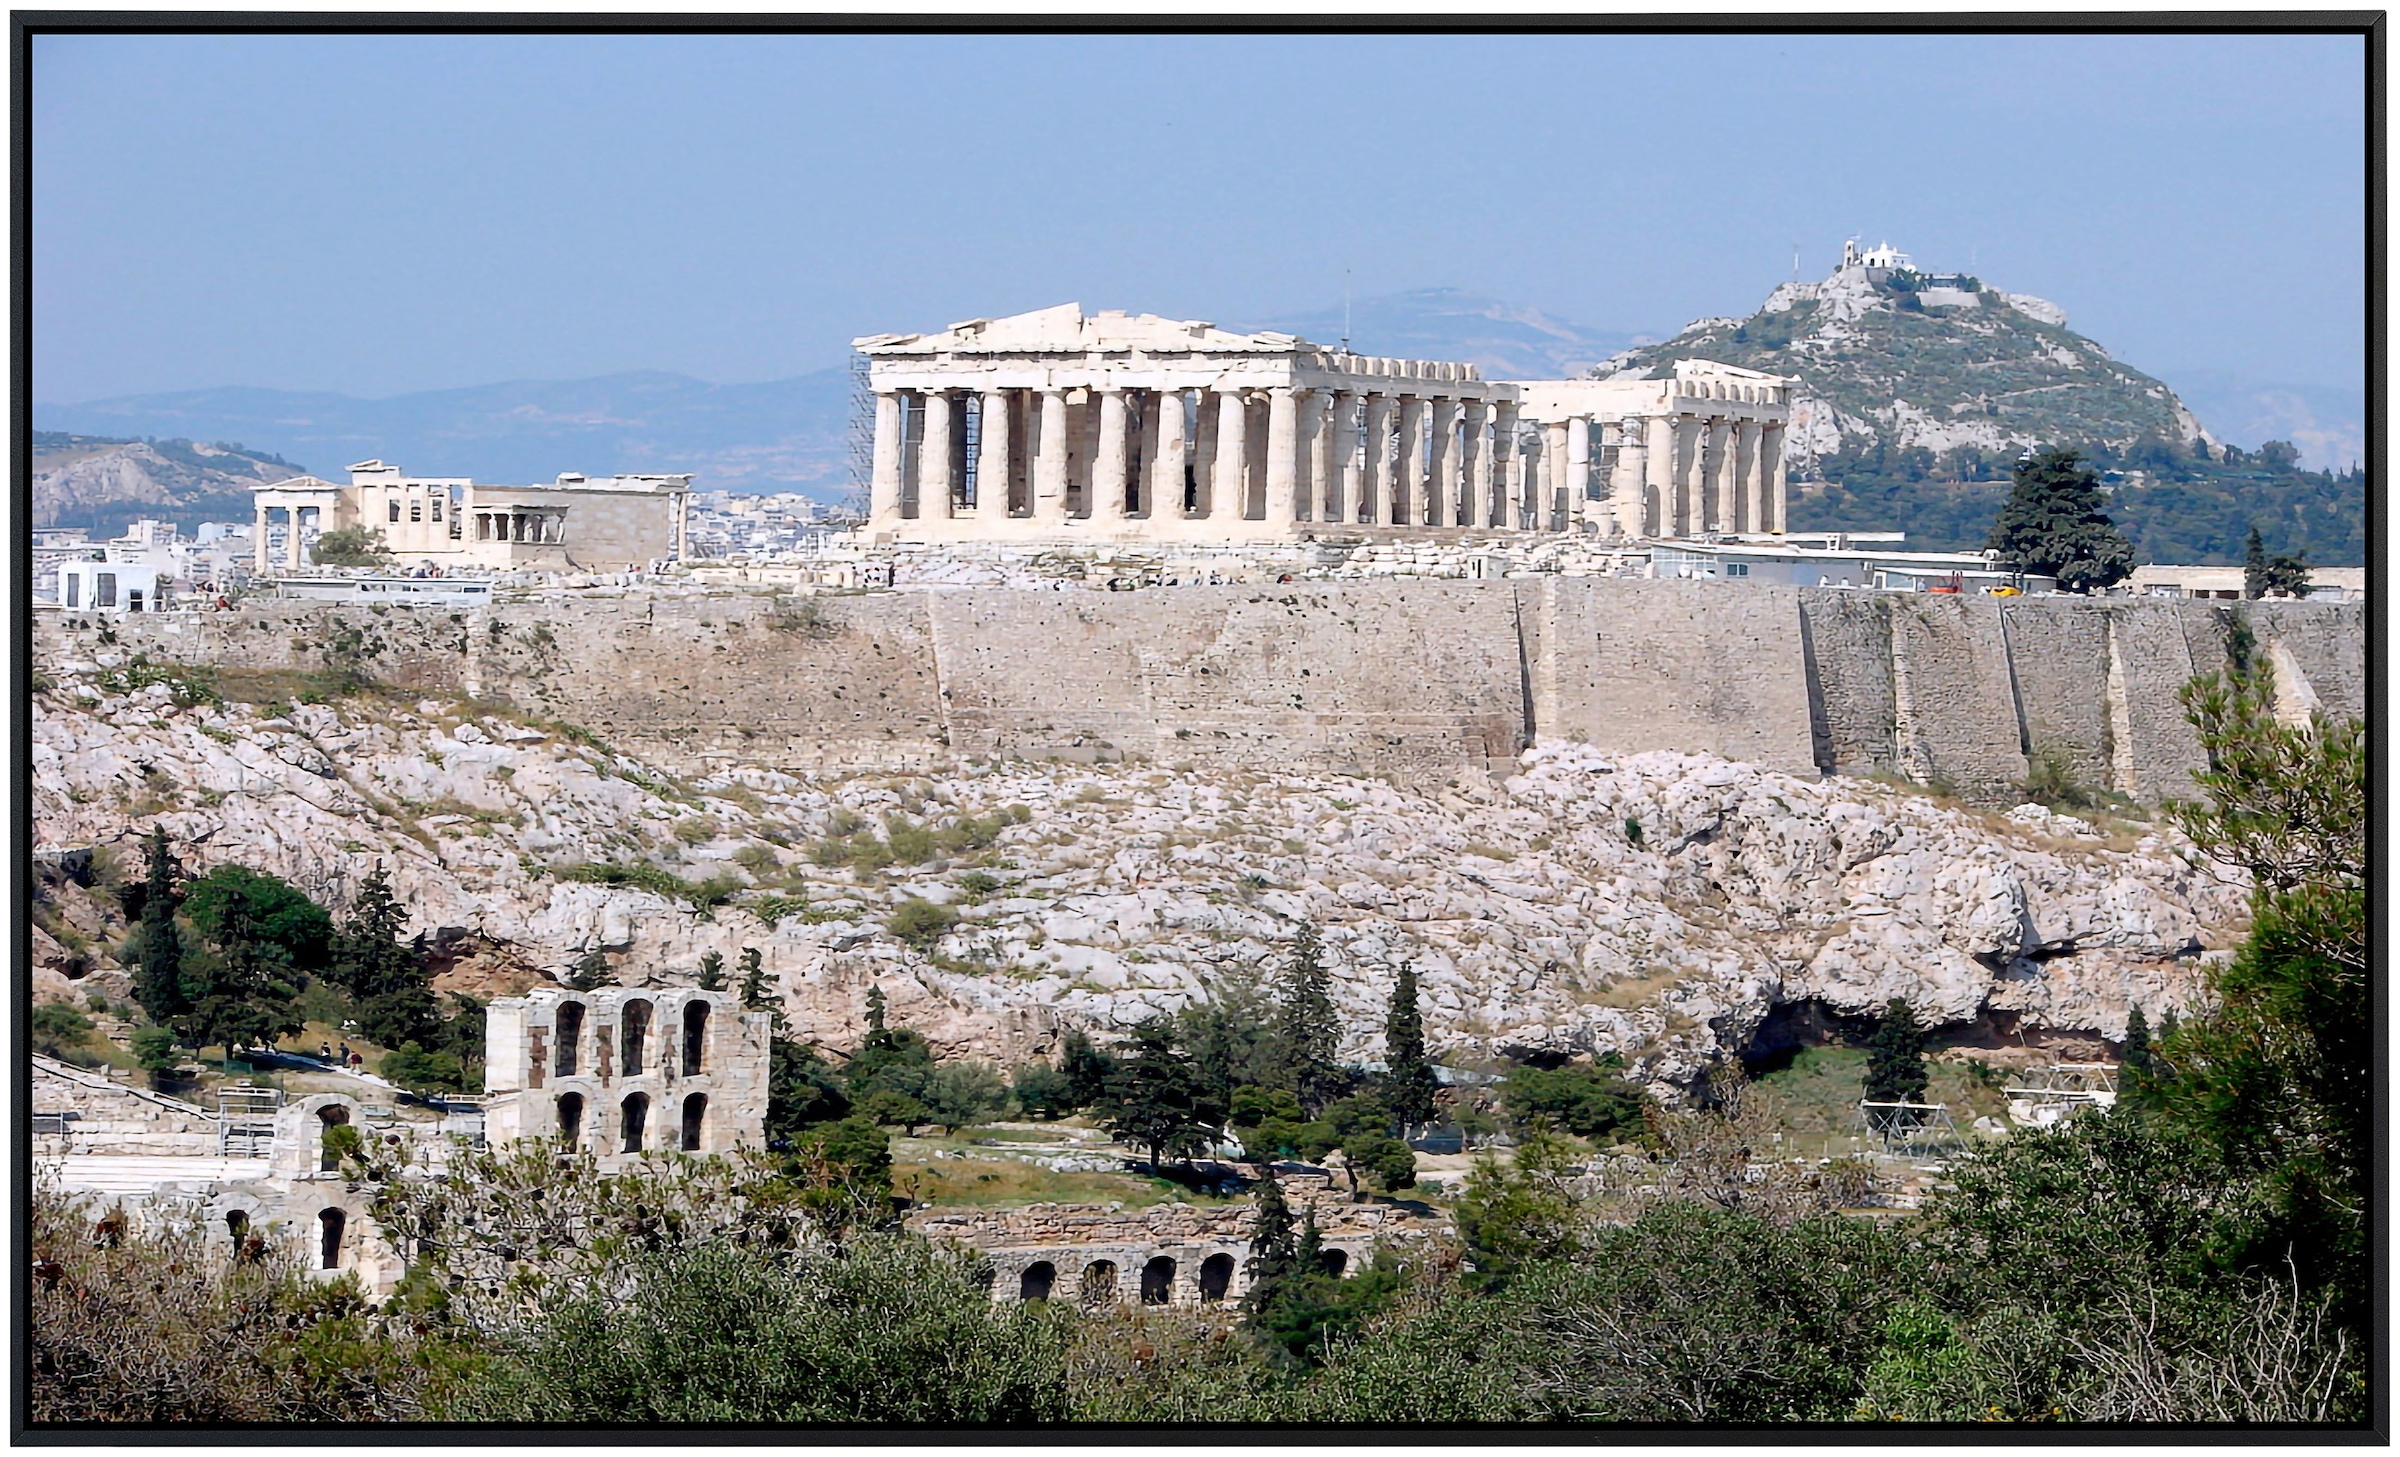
1410,677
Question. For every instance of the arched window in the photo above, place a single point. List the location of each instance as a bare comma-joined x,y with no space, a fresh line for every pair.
1035,1283
570,1119
631,1116
1100,1282
695,1121
1158,1281
1216,1277
329,1238
1333,1262
695,1036
329,1117
570,1032
633,1029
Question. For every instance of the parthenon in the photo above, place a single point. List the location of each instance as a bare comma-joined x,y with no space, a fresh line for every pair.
1061,426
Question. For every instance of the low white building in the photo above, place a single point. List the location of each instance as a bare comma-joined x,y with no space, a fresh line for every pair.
1797,565
2325,584
110,587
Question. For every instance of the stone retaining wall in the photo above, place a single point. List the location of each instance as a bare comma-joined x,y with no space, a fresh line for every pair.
1412,677
112,1118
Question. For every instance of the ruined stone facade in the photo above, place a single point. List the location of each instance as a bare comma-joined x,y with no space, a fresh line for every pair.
626,1072
575,524
1058,426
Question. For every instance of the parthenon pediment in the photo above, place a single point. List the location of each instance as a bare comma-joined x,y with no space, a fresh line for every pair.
1067,329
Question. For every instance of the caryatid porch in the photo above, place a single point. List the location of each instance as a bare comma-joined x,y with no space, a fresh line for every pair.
1058,426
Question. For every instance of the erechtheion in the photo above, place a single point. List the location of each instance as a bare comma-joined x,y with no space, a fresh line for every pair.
1058,426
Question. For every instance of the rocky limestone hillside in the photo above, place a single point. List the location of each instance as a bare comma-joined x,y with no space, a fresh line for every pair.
1662,904
103,482
1909,359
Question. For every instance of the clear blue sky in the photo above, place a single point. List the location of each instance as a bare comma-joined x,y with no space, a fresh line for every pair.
374,215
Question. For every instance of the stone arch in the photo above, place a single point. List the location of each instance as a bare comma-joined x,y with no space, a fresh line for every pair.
695,1122
1158,1280
568,1024
1334,1262
1037,1281
1216,1276
570,1119
633,1120
695,1036
633,1036
331,1222
1099,1283
330,1117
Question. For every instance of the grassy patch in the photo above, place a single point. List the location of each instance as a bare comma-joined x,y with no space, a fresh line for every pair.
714,891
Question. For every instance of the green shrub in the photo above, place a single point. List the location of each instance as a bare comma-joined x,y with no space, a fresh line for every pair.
714,891
919,921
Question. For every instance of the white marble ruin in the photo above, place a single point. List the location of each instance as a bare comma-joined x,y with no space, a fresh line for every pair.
1061,426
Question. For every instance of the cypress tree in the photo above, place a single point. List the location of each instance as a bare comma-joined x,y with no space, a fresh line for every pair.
1307,1031
1274,1248
1896,1057
158,971
236,993
384,975
2133,1060
2254,567
1409,1077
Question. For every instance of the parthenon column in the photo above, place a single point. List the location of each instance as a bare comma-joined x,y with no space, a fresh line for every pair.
1579,472
1720,474
1771,466
1375,468
1749,503
935,487
258,537
1476,496
1508,465
1342,489
1552,515
1165,496
1690,437
1441,496
1229,498
1625,480
1050,458
1658,475
1408,471
1316,442
883,491
991,458
1109,461
1283,456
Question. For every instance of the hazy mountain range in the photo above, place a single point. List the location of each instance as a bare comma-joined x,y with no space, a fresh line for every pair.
792,434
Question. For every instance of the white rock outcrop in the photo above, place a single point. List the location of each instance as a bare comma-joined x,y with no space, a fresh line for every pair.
1658,904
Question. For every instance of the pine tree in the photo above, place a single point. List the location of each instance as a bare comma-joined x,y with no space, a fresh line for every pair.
876,1025
1409,1083
758,992
1896,1058
712,972
1156,1100
1274,1248
2055,525
237,994
384,976
158,972
1307,1030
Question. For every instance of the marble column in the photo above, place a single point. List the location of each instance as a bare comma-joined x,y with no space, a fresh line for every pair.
1720,474
1476,494
1229,493
258,537
294,557
1109,461
1625,480
1165,497
1579,473
1342,490
1316,444
935,488
1050,458
1771,466
1283,456
1375,466
1408,472
1552,514
1508,465
1441,491
1690,432
1658,476
991,458
1748,500
883,491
